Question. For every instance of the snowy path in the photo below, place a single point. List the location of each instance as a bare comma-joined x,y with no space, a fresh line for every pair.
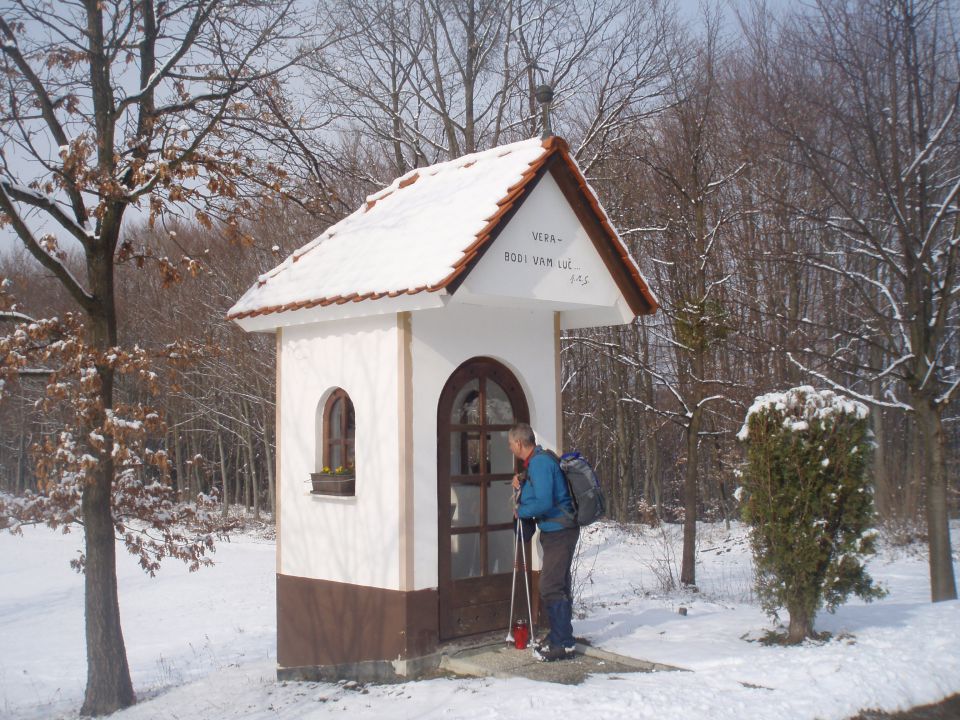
202,645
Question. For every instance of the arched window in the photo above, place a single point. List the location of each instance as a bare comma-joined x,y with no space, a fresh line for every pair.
339,428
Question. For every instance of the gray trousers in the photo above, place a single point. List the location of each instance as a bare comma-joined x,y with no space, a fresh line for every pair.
555,578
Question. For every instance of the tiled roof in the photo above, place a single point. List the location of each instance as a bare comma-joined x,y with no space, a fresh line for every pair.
423,232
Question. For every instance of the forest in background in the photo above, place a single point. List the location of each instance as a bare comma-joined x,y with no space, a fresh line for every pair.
787,183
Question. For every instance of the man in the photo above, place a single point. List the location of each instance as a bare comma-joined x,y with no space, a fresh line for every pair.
544,497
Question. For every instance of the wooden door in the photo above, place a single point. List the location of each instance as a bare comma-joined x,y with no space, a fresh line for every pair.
479,403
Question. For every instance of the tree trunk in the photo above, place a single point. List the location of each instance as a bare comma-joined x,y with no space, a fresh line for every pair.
21,485
688,571
196,484
916,471
178,463
881,484
652,471
271,479
801,625
621,479
400,163
108,676
225,500
191,467
942,581
247,486
240,481
252,494
697,362
724,504
252,461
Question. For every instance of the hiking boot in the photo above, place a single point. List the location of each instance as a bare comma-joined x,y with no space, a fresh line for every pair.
551,653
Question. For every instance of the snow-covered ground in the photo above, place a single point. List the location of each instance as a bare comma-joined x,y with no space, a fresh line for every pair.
202,645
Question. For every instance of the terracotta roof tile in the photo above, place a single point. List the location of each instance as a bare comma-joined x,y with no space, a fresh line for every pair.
268,295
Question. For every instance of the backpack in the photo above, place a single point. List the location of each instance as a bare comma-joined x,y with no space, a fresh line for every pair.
589,505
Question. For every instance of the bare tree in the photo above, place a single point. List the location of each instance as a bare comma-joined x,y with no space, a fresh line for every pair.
108,106
431,80
688,175
867,94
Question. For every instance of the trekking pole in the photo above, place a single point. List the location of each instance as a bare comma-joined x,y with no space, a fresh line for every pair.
526,583
513,583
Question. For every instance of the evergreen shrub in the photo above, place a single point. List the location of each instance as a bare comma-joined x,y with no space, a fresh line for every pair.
809,503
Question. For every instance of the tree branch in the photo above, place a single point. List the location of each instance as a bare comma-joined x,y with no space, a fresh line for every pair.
63,274
11,50
49,206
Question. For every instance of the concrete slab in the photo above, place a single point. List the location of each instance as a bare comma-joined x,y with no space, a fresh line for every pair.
497,659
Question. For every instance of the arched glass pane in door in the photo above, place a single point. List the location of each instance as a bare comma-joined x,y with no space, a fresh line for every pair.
480,403
481,469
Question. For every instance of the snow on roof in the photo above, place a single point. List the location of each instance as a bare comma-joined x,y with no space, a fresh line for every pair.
417,234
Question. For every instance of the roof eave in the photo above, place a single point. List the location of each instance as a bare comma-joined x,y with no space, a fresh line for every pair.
385,305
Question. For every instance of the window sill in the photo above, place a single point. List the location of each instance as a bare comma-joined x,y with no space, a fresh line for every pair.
334,485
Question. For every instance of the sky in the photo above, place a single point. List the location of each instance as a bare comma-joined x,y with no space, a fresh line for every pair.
690,10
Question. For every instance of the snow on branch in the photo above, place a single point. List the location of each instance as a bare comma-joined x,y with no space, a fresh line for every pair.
36,372
147,514
37,249
870,400
679,418
673,390
948,395
23,194
927,150
716,397
12,316
892,366
715,283
884,290
670,340
938,218
654,229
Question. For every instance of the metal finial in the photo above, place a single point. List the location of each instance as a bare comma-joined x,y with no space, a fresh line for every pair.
544,95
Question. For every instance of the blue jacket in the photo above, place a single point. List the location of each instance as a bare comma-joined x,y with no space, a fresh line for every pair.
544,495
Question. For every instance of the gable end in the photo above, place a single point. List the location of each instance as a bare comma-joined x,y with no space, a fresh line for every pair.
575,190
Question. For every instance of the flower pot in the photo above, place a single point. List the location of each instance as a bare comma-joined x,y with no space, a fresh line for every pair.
333,484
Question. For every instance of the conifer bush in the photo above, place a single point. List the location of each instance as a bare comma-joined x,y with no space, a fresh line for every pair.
809,503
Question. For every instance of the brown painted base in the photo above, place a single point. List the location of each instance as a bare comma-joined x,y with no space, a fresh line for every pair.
376,671
324,623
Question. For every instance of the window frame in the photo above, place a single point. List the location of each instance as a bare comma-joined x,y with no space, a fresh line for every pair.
346,441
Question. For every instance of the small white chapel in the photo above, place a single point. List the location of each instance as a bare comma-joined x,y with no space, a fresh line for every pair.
410,336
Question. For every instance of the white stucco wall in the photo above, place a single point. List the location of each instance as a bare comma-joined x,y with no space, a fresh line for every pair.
353,540
543,262
521,339
356,540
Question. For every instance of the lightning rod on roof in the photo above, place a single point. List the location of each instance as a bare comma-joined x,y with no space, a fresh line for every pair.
544,95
